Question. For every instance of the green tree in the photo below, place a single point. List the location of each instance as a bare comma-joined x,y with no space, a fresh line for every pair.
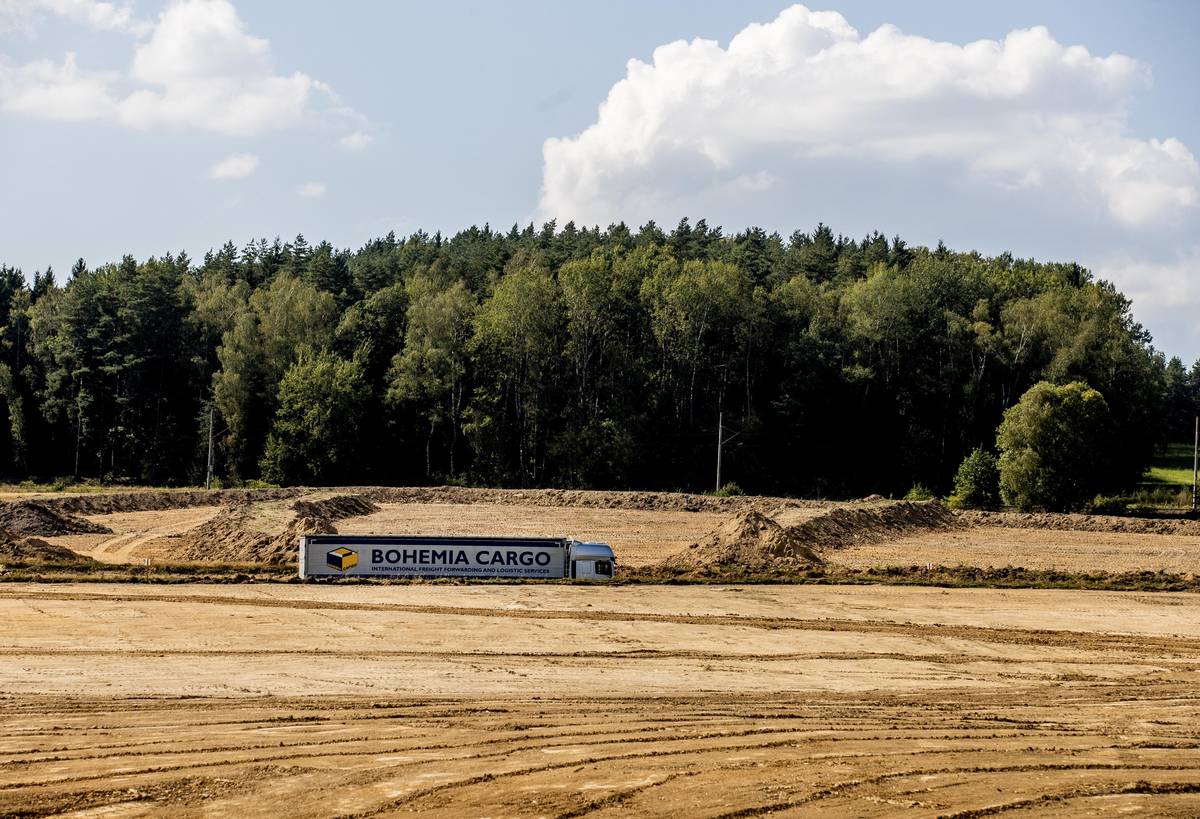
1054,448
283,319
430,373
315,432
515,350
977,482
702,315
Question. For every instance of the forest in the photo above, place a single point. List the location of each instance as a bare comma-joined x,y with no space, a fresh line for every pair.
564,356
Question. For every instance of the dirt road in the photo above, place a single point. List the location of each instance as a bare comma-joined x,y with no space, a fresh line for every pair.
124,700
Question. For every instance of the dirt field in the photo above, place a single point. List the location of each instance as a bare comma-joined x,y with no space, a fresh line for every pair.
125,700
649,529
639,536
994,546
550,700
137,535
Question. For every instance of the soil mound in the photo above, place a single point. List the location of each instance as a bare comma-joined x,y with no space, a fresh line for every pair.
1065,522
35,518
335,508
231,537
752,543
107,503
27,550
748,543
103,503
580,498
852,525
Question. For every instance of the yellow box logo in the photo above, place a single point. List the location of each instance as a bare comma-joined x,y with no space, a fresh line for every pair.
342,559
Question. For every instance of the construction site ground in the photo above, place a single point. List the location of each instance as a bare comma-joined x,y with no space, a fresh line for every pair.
719,699
262,700
644,536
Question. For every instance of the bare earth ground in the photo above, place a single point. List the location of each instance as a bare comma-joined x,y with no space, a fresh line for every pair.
128,700
638,536
993,546
642,537
136,535
550,700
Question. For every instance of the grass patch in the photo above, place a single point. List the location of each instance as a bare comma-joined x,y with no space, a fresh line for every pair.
67,486
1172,467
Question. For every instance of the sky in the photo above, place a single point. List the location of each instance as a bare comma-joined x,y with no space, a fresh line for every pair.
1060,131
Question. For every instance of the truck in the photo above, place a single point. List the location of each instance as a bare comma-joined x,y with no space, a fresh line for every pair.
546,558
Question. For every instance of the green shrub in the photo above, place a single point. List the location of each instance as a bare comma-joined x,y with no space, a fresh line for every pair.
729,490
977,482
1108,505
919,492
1178,497
1055,446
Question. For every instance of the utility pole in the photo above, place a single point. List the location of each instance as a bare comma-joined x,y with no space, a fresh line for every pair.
208,474
720,441
1195,462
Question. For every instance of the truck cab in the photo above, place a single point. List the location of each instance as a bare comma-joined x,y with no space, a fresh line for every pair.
591,561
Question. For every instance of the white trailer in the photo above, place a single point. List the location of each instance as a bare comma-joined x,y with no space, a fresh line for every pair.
454,556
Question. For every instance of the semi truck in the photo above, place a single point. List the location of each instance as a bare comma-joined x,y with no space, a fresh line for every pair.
324,556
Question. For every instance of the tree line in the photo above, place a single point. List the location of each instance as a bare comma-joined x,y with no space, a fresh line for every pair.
564,356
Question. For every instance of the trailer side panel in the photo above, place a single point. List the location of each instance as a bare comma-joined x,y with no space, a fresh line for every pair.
431,556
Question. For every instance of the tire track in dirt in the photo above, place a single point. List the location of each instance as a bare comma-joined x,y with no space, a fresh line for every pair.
648,654
1134,643
663,763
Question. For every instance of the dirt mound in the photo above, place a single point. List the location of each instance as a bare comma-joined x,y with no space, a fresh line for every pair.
230,537
107,503
28,550
750,542
580,498
335,508
36,518
1065,522
851,525
102,503
753,543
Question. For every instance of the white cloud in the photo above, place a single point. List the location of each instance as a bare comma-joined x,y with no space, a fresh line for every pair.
356,141
1164,285
234,166
48,91
205,71
198,68
311,190
21,14
784,98
1157,286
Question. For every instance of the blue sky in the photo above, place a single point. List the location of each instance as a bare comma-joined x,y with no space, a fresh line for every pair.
181,125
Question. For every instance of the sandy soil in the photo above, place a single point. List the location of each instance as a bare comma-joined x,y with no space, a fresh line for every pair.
992,546
127,700
649,529
136,535
638,536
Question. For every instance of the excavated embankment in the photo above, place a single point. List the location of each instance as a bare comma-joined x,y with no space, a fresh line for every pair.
752,543
231,536
34,551
1074,522
37,518
108,503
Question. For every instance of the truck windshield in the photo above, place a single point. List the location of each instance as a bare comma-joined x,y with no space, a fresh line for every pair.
604,567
